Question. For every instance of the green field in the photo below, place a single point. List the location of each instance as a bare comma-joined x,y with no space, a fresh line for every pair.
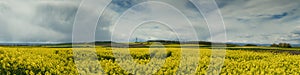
60,61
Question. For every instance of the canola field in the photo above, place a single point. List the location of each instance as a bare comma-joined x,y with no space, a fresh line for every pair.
60,61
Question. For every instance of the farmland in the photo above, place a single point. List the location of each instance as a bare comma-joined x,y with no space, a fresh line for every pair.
60,61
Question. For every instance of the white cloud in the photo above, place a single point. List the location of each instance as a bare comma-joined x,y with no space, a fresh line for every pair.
157,12
256,17
255,21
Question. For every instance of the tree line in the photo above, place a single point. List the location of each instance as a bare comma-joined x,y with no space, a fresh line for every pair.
284,45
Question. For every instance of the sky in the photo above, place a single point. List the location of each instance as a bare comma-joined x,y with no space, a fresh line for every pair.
246,21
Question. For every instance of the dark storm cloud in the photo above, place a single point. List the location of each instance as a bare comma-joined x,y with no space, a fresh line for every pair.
59,18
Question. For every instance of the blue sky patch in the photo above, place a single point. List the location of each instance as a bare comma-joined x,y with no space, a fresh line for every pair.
279,16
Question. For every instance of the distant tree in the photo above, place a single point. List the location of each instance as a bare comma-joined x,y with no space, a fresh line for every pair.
287,45
250,45
284,45
136,40
281,44
274,45
232,45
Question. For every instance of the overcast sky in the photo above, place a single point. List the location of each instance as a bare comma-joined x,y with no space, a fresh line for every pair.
251,21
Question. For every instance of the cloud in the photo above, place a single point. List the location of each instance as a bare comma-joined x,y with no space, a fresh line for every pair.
276,18
173,20
255,21
31,21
